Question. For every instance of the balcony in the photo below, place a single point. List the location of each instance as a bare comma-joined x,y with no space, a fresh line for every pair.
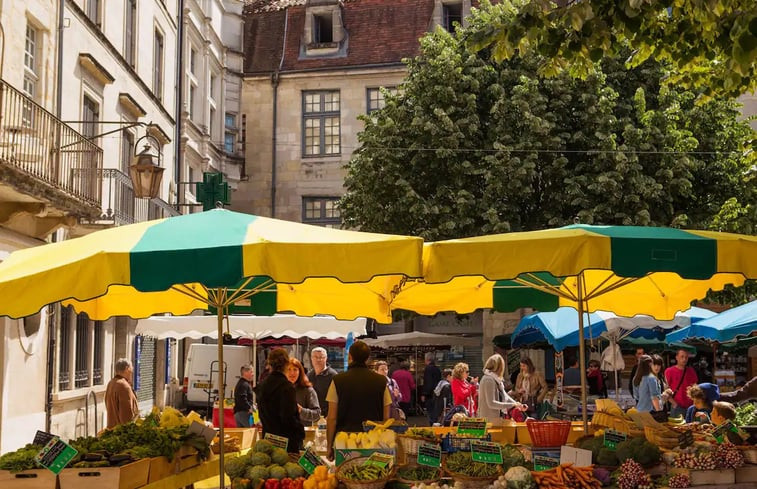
119,205
42,186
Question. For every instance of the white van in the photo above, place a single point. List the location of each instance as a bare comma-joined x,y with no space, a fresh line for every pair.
200,360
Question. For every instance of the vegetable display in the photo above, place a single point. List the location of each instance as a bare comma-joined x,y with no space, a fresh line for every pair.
511,457
638,449
462,463
425,433
567,475
418,473
631,475
746,415
264,464
518,478
21,459
364,473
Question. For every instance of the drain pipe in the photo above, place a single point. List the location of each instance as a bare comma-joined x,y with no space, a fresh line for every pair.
275,83
59,62
179,102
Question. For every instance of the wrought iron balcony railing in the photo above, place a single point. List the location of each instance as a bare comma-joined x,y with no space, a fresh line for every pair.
38,144
120,206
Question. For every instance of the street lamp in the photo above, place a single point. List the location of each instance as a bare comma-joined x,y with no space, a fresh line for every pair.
145,170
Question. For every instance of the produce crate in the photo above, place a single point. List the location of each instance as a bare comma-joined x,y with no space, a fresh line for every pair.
748,473
186,458
246,436
705,477
130,476
160,468
28,479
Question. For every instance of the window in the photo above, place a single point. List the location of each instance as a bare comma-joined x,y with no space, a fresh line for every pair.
375,99
230,121
452,13
212,125
64,345
321,127
81,362
323,28
192,61
229,138
191,103
93,12
98,354
31,76
130,34
212,99
157,75
127,150
90,117
322,211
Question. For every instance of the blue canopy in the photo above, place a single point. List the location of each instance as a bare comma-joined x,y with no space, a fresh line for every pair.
724,327
558,328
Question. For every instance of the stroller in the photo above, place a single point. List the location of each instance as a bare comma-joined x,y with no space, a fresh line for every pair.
447,421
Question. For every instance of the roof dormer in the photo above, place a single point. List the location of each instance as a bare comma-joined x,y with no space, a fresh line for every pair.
447,13
324,31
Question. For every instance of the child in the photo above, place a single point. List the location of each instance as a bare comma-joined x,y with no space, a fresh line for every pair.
722,412
594,376
702,395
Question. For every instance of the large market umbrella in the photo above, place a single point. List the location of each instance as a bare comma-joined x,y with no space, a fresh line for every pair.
728,326
209,258
418,338
625,269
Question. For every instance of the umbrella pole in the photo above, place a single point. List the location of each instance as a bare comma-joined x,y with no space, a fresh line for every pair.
221,396
617,387
254,366
582,351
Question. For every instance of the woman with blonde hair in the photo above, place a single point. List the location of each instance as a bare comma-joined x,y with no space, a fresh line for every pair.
493,401
464,388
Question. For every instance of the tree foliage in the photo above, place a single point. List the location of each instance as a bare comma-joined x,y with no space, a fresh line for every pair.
712,43
471,146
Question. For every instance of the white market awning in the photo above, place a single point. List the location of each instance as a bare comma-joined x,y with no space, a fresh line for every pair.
421,339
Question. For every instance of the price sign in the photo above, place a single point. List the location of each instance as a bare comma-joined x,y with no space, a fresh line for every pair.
472,426
383,460
727,431
612,438
430,455
55,455
42,437
486,452
309,461
685,439
545,463
277,441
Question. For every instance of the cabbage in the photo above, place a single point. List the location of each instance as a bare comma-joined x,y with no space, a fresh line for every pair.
519,478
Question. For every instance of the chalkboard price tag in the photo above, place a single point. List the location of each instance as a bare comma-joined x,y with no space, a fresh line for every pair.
42,437
545,463
430,455
612,438
309,461
486,452
472,426
277,441
55,455
685,439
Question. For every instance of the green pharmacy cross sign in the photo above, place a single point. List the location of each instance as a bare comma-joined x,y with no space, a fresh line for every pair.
211,190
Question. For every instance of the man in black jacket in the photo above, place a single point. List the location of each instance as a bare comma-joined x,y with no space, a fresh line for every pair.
431,377
355,396
639,353
243,397
277,403
321,375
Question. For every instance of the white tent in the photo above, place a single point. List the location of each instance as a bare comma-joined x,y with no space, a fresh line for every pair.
255,327
417,338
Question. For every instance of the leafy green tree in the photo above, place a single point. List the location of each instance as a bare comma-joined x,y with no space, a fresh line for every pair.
473,146
712,43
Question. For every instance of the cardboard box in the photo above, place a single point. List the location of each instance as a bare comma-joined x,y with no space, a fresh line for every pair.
246,436
130,476
28,479
706,477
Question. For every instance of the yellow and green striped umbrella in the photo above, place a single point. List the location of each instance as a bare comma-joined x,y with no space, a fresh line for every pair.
190,255
624,269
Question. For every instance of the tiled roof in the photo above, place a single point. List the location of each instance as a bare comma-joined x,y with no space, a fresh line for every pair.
379,32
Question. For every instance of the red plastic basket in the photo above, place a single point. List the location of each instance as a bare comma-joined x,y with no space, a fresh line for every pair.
548,433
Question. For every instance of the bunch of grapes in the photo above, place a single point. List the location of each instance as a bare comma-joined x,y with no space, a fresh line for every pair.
728,456
679,481
632,476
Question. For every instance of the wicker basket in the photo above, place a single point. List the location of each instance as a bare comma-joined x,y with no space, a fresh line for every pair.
350,484
410,444
469,482
663,438
548,433
750,453
411,482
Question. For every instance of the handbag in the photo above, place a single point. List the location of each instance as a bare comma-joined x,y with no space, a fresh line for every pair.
680,383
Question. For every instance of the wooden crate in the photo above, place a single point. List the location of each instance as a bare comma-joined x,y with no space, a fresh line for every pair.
747,473
129,476
28,479
706,477
186,458
160,468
